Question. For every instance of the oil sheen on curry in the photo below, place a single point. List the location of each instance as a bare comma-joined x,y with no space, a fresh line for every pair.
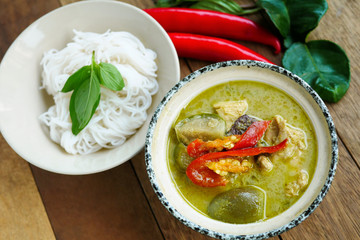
242,152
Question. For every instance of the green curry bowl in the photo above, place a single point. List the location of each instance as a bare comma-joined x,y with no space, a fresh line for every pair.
241,150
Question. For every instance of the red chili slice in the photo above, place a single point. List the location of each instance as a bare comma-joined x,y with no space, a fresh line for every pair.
201,175
249,138
252,135
213,23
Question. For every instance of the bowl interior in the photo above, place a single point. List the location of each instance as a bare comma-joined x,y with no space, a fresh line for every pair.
22,101
197,82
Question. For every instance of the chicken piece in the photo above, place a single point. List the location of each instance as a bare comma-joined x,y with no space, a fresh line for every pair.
233,165
279,131
303,179
293,188
265,163
276,132
230,111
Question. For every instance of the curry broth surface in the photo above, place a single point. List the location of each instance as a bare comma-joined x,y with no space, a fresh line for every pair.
264,102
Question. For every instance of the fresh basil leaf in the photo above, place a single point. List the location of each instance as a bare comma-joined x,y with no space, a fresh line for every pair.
76,79
83,102
322,64
278,13
86,95
110,77
305,16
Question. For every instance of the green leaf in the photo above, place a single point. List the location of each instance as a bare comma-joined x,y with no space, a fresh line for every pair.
226,6
294,19
305,16
76,79
322,64
83,102
110,77
172,3
86,85
278,13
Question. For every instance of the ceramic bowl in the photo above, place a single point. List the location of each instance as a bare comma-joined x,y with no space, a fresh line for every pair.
179,96
22,101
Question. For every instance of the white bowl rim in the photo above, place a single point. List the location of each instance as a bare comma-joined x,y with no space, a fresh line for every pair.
250,63
137,148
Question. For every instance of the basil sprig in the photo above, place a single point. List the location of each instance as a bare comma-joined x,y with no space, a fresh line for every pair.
85,84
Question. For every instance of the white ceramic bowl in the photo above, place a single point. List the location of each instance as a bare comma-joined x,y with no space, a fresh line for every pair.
22,101
197,82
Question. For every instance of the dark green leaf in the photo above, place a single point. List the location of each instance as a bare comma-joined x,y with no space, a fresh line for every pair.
110,77
294,19
322,64
305,16
278,13
226,6
76,79
172,3
83,103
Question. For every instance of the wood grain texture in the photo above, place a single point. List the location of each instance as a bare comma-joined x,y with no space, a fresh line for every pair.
107,205
340,25
16,15
22,212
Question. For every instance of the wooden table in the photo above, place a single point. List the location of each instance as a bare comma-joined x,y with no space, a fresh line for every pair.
120,203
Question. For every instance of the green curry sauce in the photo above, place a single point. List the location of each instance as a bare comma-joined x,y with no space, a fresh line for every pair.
264,102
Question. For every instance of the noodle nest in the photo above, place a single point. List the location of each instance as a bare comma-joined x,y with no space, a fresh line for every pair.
119,114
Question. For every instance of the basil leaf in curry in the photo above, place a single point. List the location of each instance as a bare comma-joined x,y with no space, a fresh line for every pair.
322,64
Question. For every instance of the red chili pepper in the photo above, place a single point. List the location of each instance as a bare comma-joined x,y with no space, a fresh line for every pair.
213,23
197,148
249,138
201,175
252,135
211,48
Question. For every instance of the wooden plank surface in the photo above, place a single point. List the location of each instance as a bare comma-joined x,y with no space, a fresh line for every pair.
341,25
120,203
107,205
22,213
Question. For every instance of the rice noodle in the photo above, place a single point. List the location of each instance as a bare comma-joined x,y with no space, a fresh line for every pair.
119,114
